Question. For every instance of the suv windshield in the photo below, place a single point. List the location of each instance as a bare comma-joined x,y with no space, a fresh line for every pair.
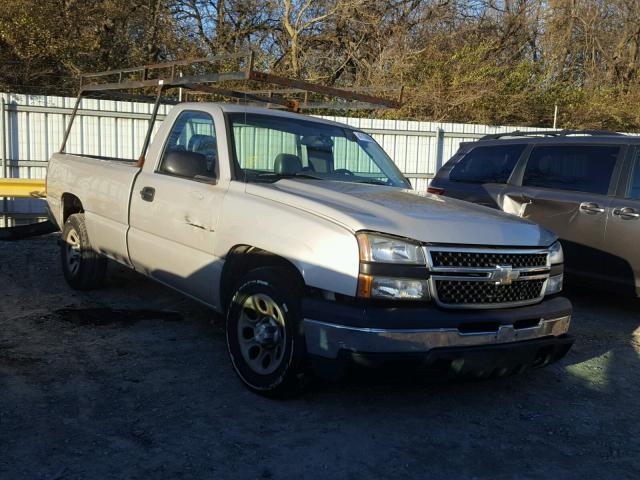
268,148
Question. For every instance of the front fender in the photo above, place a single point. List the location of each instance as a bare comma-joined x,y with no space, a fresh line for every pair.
325,253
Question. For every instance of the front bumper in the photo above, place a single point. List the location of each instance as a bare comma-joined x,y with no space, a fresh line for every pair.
496,340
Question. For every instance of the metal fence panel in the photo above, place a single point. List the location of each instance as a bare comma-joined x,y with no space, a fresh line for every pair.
33,127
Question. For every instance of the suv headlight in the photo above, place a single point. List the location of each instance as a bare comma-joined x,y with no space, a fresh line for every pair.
391,268
556,259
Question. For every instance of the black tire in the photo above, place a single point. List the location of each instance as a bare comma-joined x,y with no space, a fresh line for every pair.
83,268
285,290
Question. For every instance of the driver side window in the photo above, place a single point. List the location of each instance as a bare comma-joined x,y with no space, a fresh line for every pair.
191,149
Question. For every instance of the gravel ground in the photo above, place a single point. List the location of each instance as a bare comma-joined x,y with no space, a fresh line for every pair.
112,384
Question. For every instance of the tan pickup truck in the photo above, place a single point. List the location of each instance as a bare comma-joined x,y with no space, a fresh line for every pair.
311,242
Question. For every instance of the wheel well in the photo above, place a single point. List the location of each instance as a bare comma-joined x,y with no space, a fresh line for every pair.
70,205
241,259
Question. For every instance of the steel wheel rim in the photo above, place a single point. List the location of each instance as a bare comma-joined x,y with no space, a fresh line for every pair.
261,333
73,252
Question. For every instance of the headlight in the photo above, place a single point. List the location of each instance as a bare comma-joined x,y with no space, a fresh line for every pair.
555,254
391,288
383,249
556,259
388,266
554,284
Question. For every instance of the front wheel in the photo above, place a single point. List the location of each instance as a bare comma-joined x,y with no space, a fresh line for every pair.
264,331
83,268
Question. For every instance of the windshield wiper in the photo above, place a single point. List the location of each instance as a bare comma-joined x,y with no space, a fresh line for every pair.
274,177
373,181
304,175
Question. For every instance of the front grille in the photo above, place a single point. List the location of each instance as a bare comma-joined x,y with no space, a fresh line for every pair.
487,259
487,278
461,292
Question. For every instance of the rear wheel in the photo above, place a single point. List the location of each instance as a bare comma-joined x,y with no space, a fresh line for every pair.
83,268
264,331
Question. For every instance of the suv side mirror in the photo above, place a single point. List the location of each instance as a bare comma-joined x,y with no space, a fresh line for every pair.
188,164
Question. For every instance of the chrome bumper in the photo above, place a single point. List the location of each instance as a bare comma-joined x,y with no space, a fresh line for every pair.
327,339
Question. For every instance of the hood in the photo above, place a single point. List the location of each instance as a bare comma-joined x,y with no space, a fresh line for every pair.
424,217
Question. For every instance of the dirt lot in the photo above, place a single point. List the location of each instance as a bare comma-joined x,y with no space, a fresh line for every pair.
89,392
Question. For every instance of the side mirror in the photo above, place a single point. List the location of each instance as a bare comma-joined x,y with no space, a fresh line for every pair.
187,164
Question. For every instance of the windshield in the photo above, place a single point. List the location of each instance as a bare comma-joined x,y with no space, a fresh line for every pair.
268,148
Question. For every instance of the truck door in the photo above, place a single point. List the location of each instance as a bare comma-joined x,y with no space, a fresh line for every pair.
174,210
565,189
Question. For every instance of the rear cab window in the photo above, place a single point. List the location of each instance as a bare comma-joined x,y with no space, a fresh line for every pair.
488,164
580,168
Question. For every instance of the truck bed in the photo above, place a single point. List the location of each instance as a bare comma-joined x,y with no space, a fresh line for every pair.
105,185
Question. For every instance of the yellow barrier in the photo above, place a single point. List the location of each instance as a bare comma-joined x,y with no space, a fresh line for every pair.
22,187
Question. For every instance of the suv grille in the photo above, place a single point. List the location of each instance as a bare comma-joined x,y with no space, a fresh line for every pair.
487,278
455,292
487,259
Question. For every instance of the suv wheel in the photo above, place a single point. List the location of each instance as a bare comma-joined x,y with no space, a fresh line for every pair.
264,331
83,268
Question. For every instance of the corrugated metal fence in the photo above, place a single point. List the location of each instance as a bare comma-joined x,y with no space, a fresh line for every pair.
32,126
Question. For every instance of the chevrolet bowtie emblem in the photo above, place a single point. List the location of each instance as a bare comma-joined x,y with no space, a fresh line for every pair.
504,275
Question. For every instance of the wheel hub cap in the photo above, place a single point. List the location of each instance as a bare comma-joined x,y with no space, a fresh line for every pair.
267,332
261,333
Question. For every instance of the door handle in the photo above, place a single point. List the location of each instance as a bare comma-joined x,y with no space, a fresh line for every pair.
626,213
591,208
147,194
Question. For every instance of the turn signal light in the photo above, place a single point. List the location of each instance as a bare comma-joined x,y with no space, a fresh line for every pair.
435,190
364,285
389,288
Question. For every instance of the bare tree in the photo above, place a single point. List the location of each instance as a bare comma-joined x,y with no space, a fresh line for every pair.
496,61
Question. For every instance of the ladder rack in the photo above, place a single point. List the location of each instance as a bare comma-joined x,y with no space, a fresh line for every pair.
169,75
195,75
